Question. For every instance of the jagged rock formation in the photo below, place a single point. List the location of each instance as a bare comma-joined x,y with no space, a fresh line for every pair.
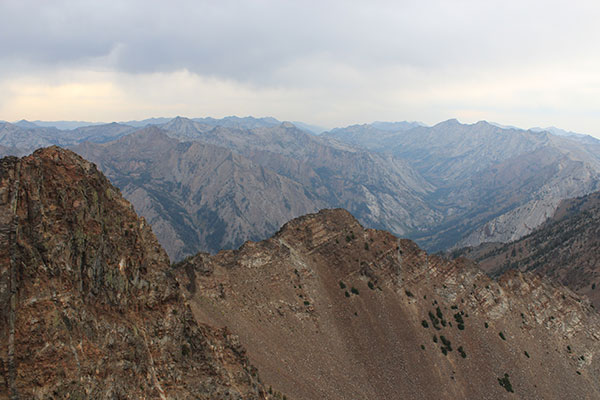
89,306
330,310
566,248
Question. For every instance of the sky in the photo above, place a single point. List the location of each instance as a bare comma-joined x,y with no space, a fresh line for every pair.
328,63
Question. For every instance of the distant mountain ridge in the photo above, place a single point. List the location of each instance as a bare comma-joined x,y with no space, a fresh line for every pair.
266,176
195,195
492,184
566,248
448,185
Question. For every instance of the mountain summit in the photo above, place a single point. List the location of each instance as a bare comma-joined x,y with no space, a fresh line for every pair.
90,308
357,313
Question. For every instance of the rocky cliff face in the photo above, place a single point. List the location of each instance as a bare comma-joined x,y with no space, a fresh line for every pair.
357,313
566,248
90,308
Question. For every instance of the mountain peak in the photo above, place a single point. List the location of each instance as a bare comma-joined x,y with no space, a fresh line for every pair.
94,307
25,124
287,125
371,316
449,122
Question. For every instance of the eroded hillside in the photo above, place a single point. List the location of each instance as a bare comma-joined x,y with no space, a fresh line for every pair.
328,309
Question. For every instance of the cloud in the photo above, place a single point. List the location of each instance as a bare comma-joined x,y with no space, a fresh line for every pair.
332,62
257,41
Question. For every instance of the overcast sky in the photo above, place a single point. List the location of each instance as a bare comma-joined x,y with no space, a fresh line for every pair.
330,63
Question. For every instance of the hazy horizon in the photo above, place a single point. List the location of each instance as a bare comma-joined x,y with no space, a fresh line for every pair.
329,64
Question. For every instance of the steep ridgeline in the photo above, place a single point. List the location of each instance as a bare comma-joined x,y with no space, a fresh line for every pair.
198,196
89,305
491,184
329,310
566,248
382,191
24,137
231,185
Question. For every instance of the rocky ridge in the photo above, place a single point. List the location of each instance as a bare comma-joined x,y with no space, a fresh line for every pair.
90,307
566,248
357,313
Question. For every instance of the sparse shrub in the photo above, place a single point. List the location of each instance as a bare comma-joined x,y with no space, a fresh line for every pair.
439,314
435,339
462,352
348,238
425,324
444,350
526,354
422,347
446,342
409,293
434,321
486,325
501,334
306,302
354,290
342,285
505,383
371,286
366,246
459,321
347,294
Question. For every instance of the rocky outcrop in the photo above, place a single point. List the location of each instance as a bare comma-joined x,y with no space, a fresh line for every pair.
566,248
357,313
90,308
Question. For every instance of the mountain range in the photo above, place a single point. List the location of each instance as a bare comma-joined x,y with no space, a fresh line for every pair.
325,308
446,186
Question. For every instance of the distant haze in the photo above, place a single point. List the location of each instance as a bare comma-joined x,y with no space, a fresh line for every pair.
327,64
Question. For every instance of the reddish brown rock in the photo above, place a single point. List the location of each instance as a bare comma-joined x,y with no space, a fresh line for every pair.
90,308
